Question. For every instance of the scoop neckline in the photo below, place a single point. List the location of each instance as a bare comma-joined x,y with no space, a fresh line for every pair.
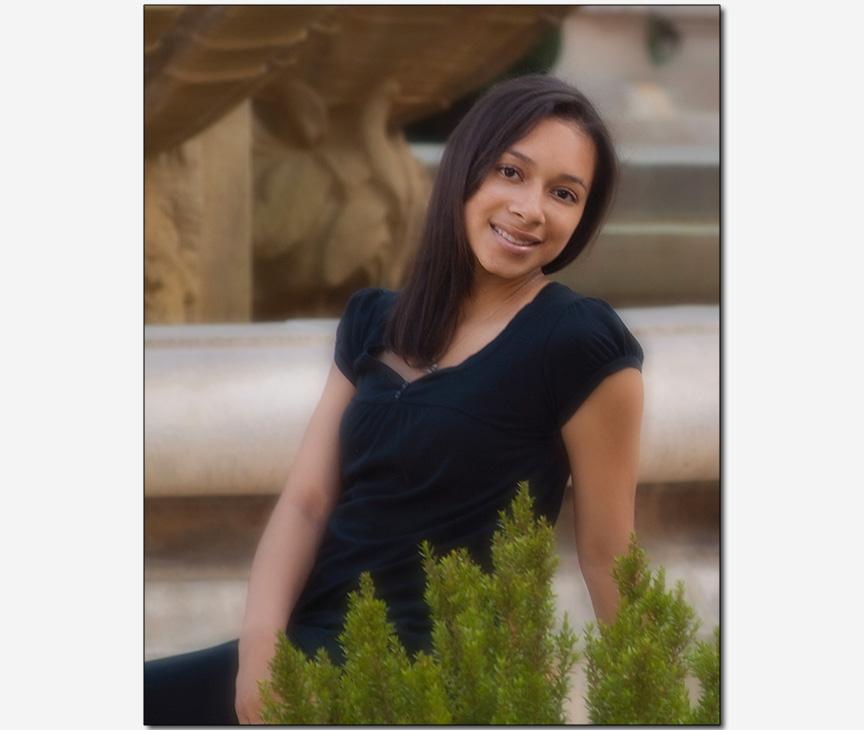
492,344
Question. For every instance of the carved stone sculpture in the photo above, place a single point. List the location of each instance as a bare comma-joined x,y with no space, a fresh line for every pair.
335,198
338,200
172,212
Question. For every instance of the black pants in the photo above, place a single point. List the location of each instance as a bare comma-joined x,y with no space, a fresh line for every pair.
199,688
192,689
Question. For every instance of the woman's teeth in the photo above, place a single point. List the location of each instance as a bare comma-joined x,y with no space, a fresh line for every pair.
510,238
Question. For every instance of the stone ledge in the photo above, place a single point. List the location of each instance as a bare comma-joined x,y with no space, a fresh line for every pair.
225,406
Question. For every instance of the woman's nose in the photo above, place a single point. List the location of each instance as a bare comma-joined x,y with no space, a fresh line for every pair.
527,204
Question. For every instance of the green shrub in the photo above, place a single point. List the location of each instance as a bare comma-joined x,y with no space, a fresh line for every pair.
637,665
496,657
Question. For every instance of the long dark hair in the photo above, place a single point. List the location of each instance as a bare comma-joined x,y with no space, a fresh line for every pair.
424,319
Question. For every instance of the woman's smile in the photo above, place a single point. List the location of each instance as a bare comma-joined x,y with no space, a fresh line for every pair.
521,240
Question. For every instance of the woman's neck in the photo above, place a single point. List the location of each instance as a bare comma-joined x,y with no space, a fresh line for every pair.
488,295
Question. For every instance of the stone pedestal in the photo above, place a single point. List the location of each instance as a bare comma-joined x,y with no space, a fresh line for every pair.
226,406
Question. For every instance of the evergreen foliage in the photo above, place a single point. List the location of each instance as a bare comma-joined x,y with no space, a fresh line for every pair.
496,657
637,665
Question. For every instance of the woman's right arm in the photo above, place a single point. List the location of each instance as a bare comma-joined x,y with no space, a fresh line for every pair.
290,543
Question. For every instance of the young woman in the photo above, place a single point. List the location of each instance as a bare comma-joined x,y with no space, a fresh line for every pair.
480,374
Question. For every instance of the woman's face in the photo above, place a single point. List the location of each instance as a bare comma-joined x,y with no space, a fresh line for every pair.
531,201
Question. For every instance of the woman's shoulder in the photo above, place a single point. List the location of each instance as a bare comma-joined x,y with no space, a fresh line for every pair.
366,312
368,305
572,309
369,298
580,320
586,342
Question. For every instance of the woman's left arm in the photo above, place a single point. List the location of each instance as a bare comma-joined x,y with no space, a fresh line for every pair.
602,440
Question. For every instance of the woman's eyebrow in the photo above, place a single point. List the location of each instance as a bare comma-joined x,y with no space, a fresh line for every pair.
566,176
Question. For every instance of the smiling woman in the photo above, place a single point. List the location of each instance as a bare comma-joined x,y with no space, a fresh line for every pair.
568,148
441,398
530,203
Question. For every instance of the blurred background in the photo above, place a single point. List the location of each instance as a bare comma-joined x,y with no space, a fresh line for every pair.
288,156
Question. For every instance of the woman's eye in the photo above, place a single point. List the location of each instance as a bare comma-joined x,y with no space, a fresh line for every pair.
509,172
567,195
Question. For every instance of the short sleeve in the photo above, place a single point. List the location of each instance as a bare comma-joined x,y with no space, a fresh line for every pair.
589,343
357,325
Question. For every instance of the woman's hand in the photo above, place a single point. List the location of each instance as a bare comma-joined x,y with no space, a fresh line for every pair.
255,655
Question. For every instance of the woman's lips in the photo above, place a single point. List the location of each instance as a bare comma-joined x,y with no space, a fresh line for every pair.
516,241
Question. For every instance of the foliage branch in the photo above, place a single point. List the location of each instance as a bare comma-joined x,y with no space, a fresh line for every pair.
637,666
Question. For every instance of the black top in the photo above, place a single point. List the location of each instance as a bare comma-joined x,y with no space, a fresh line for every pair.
438,458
